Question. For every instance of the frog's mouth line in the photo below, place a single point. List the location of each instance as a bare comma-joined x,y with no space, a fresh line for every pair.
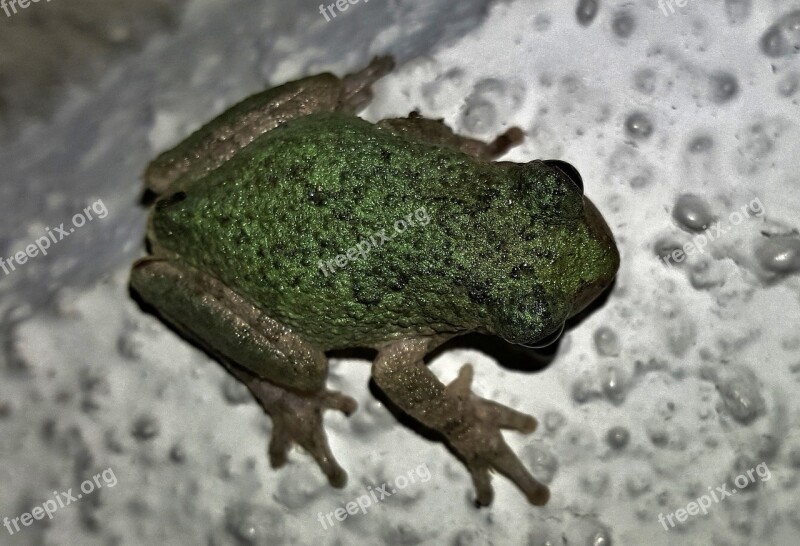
549,339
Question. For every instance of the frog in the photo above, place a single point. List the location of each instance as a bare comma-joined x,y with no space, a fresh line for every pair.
250,215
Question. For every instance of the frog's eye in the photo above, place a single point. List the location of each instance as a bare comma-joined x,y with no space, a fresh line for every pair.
567,170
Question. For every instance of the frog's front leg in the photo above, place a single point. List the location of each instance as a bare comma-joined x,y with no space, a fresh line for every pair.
470,424
220,139
284,372
437,132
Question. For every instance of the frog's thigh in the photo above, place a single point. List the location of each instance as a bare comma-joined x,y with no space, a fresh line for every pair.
218,140
222,137
223,322
437,132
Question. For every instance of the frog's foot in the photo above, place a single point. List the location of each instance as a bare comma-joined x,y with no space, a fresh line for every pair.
297,418
477,439
471,425
357,87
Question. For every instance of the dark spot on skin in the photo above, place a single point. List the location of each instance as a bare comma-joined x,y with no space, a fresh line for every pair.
317,197
479,291
399,282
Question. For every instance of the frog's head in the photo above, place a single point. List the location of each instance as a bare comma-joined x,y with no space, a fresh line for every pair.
570,257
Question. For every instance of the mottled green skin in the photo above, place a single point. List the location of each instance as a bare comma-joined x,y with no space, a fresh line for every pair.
508,249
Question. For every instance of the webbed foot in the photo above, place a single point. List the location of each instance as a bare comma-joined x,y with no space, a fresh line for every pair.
477,439
297,418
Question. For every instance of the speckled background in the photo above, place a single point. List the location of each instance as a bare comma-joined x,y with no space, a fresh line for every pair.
683,120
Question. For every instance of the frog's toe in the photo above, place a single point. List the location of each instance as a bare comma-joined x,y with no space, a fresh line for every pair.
338,401
481,445
297,419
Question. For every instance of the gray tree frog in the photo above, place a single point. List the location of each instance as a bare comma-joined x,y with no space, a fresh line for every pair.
248,206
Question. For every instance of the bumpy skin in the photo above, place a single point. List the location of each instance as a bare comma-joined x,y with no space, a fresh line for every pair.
507,249
253,208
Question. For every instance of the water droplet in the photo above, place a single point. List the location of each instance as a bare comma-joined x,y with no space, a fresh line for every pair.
554,420
638,125
606,341
741,395
783,37
586,11
594,482
542,22
701,144
478,116
613,385
618,437
691,213
779,254
177,454
235,392
681,336
724,87
667,250
145,428
583,390
658,435
637,484
623,24
249,525
542,462
600,538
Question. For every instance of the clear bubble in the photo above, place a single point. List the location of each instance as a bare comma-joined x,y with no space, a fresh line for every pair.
637,484
700,144
638,125
613,385
554,420
583,390
783,37
669,251
235,392
594,483
587,11
542,462
145,428
724,87
779,254
606,341
600,538
623,24
618,437
691,213
741,395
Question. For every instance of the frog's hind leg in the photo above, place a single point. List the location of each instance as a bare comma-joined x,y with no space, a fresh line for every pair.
220,139
285,373
437,132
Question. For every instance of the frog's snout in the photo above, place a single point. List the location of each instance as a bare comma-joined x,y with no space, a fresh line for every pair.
606,259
